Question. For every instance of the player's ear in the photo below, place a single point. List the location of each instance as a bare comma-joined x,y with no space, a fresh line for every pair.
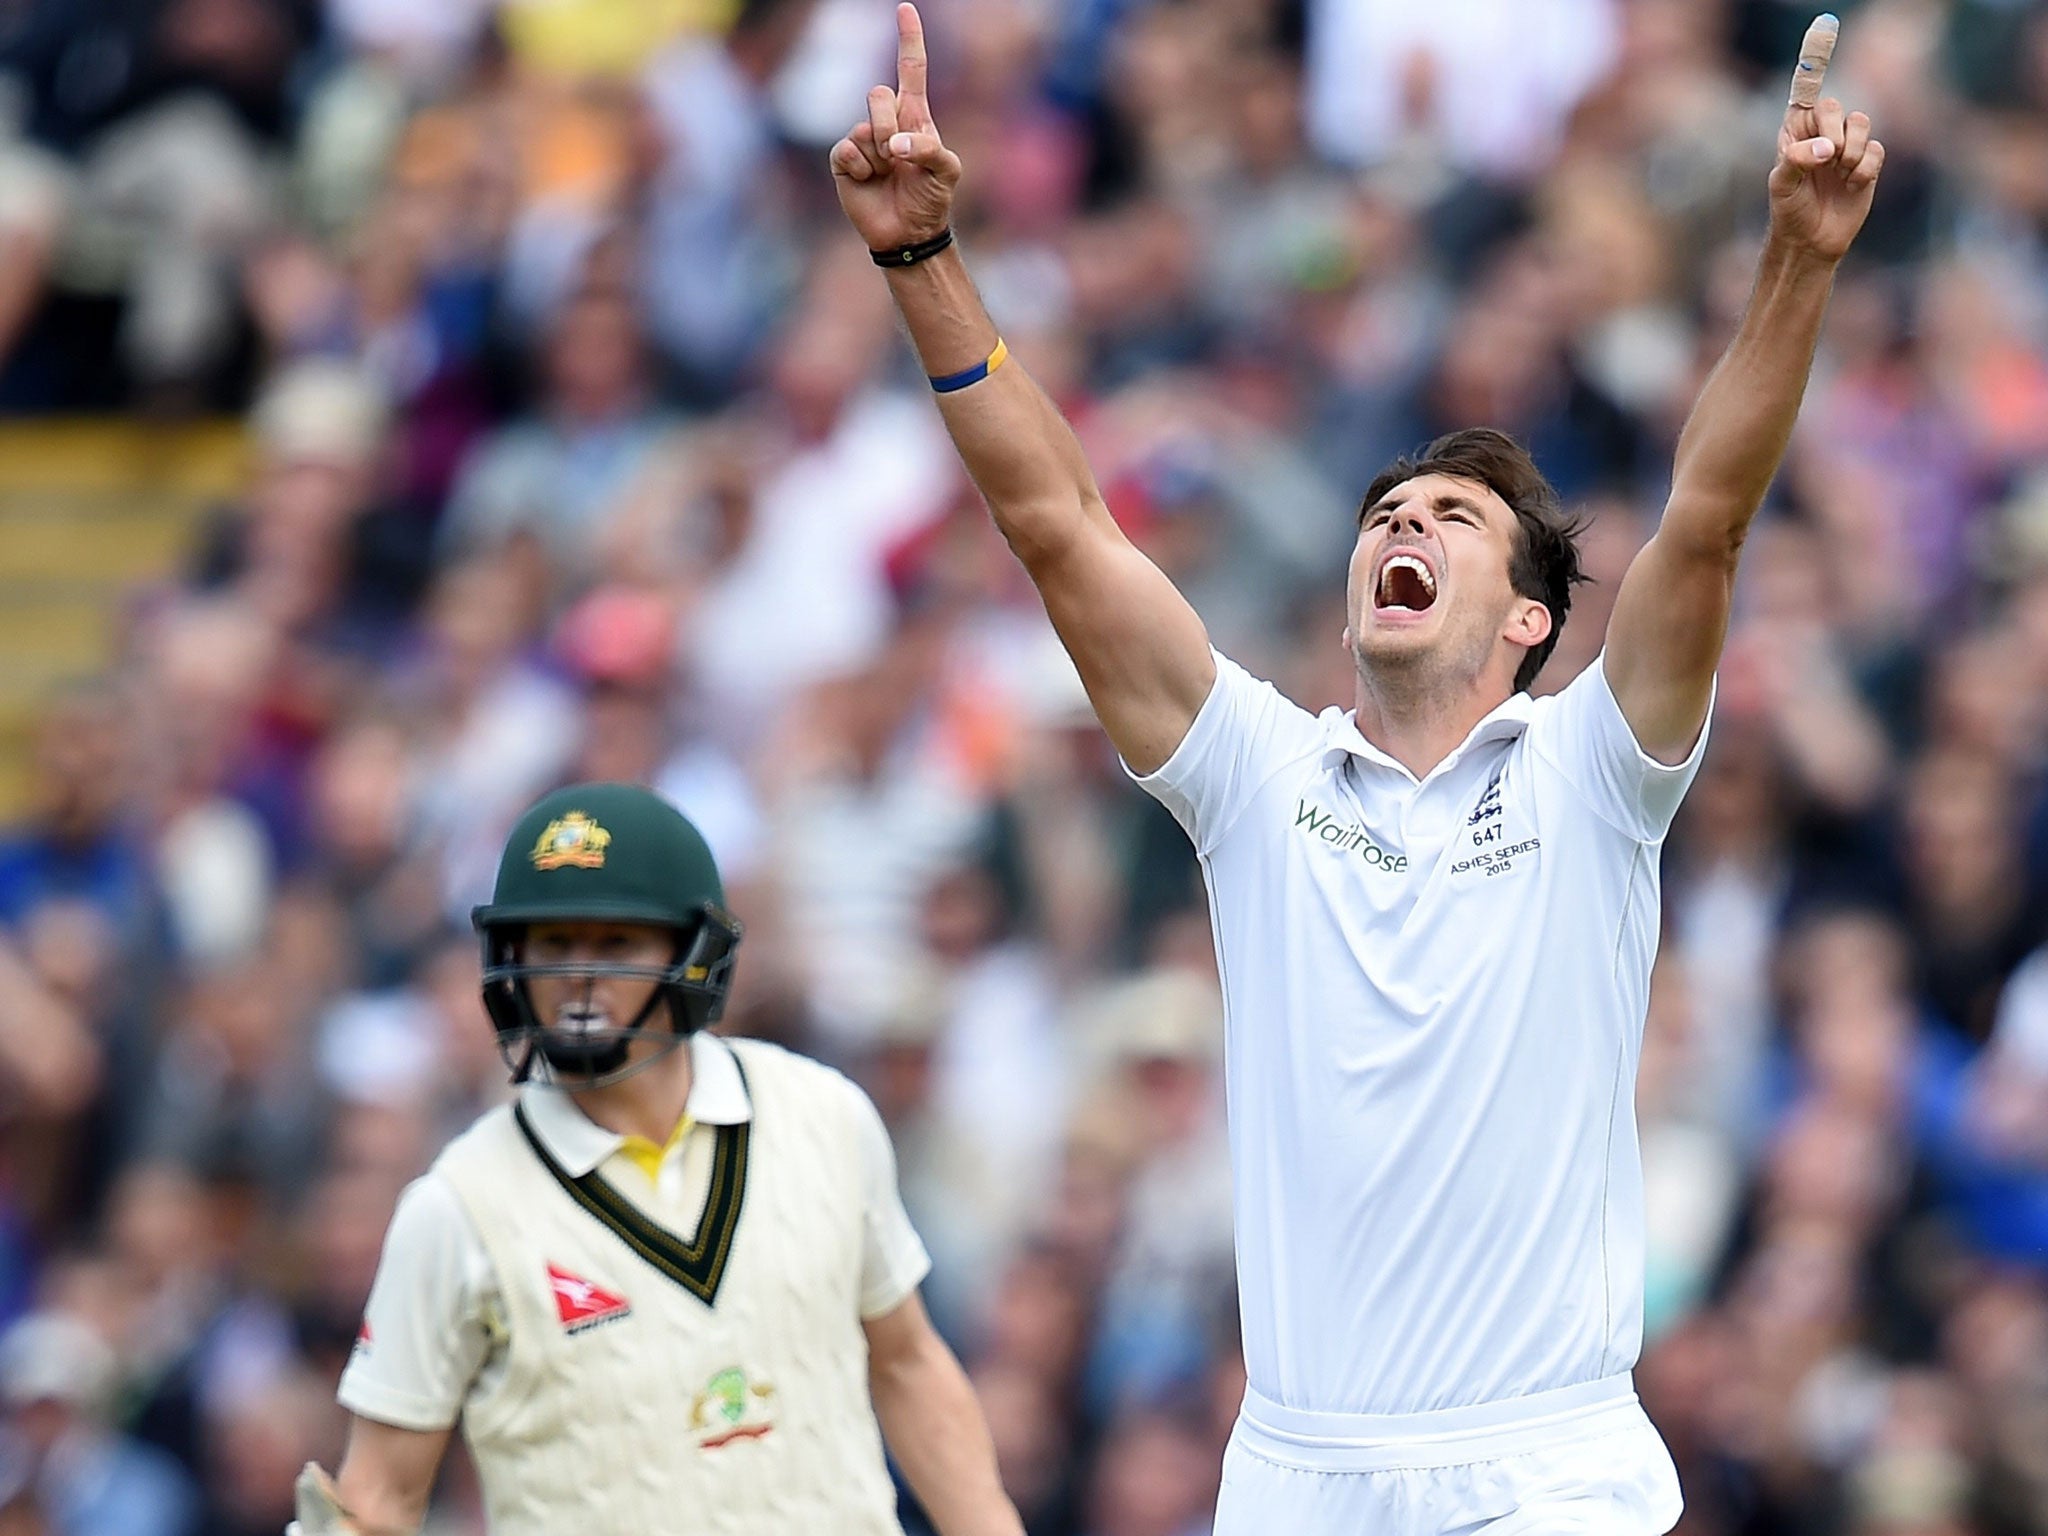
1528,623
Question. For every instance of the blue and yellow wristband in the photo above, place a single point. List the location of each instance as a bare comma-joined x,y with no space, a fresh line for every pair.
948,383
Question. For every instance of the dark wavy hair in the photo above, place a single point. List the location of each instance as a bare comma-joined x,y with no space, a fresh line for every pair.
1545,564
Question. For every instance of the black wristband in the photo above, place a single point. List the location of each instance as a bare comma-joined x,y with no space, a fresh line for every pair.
911,255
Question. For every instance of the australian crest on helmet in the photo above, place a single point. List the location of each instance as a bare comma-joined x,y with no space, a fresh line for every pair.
575,840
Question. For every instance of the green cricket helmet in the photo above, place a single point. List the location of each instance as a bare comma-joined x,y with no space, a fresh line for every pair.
604,853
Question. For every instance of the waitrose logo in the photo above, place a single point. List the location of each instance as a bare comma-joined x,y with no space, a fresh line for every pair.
1325,827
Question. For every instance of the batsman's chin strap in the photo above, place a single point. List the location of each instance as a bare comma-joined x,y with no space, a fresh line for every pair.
522,1070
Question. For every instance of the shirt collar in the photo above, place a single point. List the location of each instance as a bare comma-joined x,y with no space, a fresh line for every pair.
1505,721
718,1096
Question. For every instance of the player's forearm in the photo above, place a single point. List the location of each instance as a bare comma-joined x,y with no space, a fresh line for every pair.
1021,453
936,1432
318,1509
385,1482
368,1509
1739,430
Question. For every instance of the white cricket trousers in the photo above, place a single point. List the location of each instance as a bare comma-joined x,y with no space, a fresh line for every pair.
1578,1461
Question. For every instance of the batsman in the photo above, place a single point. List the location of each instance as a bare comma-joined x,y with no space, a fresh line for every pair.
1434,913
671,1287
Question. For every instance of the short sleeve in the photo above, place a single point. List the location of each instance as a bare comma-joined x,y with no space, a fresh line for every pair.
893,1257
1245,731
426,1329
1583,735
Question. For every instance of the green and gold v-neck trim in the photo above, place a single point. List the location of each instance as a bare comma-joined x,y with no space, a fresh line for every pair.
697,1264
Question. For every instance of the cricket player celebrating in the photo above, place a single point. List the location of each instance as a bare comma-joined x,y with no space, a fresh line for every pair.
1435,914
673,1287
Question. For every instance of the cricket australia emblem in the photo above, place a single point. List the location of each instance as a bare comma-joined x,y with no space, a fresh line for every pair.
731,1407
574,840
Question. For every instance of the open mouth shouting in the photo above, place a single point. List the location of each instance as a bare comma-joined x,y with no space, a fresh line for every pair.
1404,586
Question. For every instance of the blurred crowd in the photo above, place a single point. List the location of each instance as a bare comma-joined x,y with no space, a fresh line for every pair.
584,447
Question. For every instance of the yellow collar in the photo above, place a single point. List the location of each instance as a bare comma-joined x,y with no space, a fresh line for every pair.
718,1096
648,1157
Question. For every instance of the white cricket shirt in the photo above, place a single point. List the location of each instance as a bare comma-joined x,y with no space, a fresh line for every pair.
1435,995
434,1327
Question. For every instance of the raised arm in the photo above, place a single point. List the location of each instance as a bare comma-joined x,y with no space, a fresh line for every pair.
1671,615
1140,649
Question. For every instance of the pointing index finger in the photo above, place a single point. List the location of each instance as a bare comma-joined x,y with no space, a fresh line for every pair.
1814,53
910,73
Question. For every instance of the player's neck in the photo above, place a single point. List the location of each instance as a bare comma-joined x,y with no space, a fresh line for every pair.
1419,721
648,1104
